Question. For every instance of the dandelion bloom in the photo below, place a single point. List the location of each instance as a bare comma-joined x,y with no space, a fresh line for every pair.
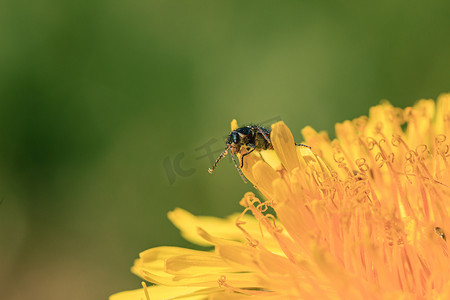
361,217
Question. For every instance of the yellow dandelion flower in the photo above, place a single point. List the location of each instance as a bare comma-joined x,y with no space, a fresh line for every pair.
364,216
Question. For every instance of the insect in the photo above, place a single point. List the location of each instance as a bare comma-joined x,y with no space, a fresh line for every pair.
251,138
440,232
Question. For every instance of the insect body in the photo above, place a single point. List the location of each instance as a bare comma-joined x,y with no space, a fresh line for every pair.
250,138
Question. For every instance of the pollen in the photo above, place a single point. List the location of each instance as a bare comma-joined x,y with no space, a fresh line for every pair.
363,216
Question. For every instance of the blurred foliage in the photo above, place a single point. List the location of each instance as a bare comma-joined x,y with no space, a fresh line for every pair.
98,99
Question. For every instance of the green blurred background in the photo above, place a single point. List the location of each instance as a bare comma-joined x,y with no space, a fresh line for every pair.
107,109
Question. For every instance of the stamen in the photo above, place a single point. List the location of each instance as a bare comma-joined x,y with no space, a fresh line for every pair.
252,242
144,286
222,281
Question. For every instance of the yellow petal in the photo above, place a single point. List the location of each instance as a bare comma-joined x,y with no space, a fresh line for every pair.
284,145
189,223
264,176
159,292
234,125
247,169
321,145
192,264
419,130
442,121
154,259
271,157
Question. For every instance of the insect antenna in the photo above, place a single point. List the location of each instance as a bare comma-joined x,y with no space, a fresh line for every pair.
222,155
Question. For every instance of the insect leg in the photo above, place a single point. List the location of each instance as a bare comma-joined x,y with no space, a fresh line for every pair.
247,153
237,167
303,145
